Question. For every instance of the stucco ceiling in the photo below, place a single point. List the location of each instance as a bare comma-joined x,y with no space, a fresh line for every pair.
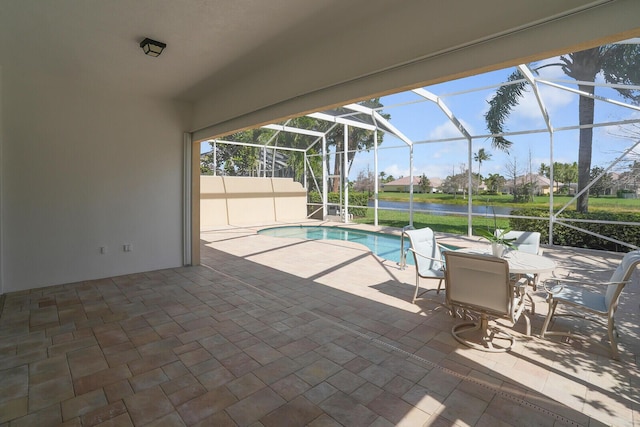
215,44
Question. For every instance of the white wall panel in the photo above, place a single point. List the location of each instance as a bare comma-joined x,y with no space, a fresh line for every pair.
81,170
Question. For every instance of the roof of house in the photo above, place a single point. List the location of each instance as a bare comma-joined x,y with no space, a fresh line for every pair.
435,182
538,180
404,181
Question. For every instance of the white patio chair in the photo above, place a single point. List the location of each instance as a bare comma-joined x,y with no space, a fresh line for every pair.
428,259
599,307
525,241
529,242
481,284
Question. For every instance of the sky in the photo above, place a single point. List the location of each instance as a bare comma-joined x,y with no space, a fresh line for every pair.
423,122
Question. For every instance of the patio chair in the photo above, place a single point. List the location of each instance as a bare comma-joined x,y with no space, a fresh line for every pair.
481,284
427,254
529,242
525,241
599,307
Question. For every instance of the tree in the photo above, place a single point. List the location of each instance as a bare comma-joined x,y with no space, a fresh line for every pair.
425,184
237,160
495,182
358,139
565,173
382,175
365,181
456,181
618,63
245,160
206,164
600,186
513,171
481,156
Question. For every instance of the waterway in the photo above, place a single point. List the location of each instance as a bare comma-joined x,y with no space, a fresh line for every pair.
442,209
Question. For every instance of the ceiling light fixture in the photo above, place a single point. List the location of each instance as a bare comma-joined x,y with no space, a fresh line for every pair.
152,47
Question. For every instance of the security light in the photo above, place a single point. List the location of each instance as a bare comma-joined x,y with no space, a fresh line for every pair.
152,47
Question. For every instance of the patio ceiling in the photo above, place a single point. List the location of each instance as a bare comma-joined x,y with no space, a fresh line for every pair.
219,48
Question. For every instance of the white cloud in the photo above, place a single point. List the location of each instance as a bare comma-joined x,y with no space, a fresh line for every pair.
448,130
554,100
396,171
434,171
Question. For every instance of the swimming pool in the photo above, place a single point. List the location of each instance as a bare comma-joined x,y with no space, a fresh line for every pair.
386,246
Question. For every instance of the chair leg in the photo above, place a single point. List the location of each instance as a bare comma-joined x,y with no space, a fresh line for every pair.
439,286
612,339
487,338
415,294
552,309
527,323
533,304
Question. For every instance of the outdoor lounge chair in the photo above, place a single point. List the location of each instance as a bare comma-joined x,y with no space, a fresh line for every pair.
481,284
582,302
428,258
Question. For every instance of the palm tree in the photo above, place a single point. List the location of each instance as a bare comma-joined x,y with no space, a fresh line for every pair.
481,156
495,182
618,63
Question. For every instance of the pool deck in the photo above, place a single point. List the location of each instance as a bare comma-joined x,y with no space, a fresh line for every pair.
276,331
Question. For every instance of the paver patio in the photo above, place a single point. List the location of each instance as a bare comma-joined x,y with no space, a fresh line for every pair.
275,332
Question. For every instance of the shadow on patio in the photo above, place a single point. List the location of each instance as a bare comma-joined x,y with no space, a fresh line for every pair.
279,332
345,285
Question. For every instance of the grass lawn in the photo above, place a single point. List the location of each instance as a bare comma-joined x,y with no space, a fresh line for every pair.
455,224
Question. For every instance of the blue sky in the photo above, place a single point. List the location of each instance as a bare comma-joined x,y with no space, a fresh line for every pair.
424,121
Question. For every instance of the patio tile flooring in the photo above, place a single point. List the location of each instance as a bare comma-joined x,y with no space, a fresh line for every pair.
283,332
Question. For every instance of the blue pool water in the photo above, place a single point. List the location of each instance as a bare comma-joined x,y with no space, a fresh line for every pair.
386,246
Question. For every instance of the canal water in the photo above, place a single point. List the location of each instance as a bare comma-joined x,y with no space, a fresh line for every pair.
441,208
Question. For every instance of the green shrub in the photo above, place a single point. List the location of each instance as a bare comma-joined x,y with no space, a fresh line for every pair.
355,199
566,236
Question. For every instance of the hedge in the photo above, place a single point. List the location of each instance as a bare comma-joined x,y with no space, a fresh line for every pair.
355,199
565,236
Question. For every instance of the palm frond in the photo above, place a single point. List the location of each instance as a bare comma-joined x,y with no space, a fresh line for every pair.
621,65
500,106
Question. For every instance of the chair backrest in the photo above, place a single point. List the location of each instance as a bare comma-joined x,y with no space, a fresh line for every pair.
621,274
526,241
479,282
423,241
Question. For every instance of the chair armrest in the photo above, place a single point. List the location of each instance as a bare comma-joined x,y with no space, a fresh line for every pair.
443,248
560,284
427,257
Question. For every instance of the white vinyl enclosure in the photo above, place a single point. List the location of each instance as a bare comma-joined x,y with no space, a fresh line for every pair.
428,120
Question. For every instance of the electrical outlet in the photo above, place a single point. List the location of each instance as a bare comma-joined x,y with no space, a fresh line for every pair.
126,247
103,250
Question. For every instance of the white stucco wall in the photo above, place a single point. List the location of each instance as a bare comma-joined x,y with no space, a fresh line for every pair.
83,169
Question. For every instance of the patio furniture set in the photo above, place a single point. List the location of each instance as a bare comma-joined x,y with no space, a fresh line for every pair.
480,287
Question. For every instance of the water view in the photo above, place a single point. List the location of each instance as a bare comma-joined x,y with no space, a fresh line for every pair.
442,208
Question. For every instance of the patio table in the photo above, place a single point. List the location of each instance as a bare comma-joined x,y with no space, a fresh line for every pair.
519,262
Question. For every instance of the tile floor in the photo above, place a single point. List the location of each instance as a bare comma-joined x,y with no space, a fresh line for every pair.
282,332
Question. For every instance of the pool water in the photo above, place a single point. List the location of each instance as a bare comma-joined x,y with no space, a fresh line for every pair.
386,246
